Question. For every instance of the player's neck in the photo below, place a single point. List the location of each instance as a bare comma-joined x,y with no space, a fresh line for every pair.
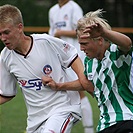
62,2
25,45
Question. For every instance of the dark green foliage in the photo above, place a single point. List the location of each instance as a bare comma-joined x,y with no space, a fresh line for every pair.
35,12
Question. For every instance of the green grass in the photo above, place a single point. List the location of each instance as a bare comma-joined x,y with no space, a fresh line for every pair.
78,128
13,116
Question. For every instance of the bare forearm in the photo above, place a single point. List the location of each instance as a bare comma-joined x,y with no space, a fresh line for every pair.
66,33
123,41
74,85
96,30
69,34
4,99
78,68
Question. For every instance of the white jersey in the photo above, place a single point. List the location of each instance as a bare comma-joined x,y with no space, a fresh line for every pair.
65,18
47,56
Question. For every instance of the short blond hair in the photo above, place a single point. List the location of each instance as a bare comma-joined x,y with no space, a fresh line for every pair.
92,18
10,14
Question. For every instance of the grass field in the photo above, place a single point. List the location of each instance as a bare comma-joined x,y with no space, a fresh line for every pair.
13,116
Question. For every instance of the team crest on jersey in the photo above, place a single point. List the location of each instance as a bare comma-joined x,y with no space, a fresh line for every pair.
47,69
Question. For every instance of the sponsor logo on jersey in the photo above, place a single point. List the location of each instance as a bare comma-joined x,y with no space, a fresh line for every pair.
22,82
35,83
32,83
58,25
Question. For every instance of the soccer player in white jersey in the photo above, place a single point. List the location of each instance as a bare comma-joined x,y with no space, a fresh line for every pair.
109,66
63,18
24,60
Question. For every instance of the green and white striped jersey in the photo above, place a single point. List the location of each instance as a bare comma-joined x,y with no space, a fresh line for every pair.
113,81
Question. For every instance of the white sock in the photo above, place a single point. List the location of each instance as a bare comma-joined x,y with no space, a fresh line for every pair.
87,115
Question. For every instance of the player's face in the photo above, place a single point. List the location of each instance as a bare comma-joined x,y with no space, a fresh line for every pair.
90,47
10,35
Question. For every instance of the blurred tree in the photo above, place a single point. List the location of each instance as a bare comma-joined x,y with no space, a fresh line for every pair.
35,12
119,13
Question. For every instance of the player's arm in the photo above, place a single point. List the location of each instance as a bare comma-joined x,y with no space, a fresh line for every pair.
78,85
4,99
78,67
124,42
66,33
73,85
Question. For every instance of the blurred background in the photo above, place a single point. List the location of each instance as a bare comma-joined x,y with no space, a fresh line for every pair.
119,13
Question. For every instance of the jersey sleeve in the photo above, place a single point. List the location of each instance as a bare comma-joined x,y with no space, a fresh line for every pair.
76,15
8,86
51,13
51,28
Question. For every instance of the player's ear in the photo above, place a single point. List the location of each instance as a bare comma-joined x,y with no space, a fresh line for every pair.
20,26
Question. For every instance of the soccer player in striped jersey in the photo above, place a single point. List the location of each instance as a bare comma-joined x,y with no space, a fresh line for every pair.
109,66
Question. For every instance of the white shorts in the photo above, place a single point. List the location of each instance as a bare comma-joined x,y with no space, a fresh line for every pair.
58,123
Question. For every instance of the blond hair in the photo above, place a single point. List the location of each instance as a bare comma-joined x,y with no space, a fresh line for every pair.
10,14
92,18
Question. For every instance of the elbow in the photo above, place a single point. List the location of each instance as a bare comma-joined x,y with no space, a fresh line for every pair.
129,44
4,99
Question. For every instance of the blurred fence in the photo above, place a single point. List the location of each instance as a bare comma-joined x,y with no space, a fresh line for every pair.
30,29
45,29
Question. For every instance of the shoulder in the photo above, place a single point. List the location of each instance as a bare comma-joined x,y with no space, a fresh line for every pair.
74,5
75,9
113,47
45,38
54,8
40,36
5,53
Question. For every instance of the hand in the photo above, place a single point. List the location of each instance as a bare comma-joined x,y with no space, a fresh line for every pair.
57,33
48,81
94,31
